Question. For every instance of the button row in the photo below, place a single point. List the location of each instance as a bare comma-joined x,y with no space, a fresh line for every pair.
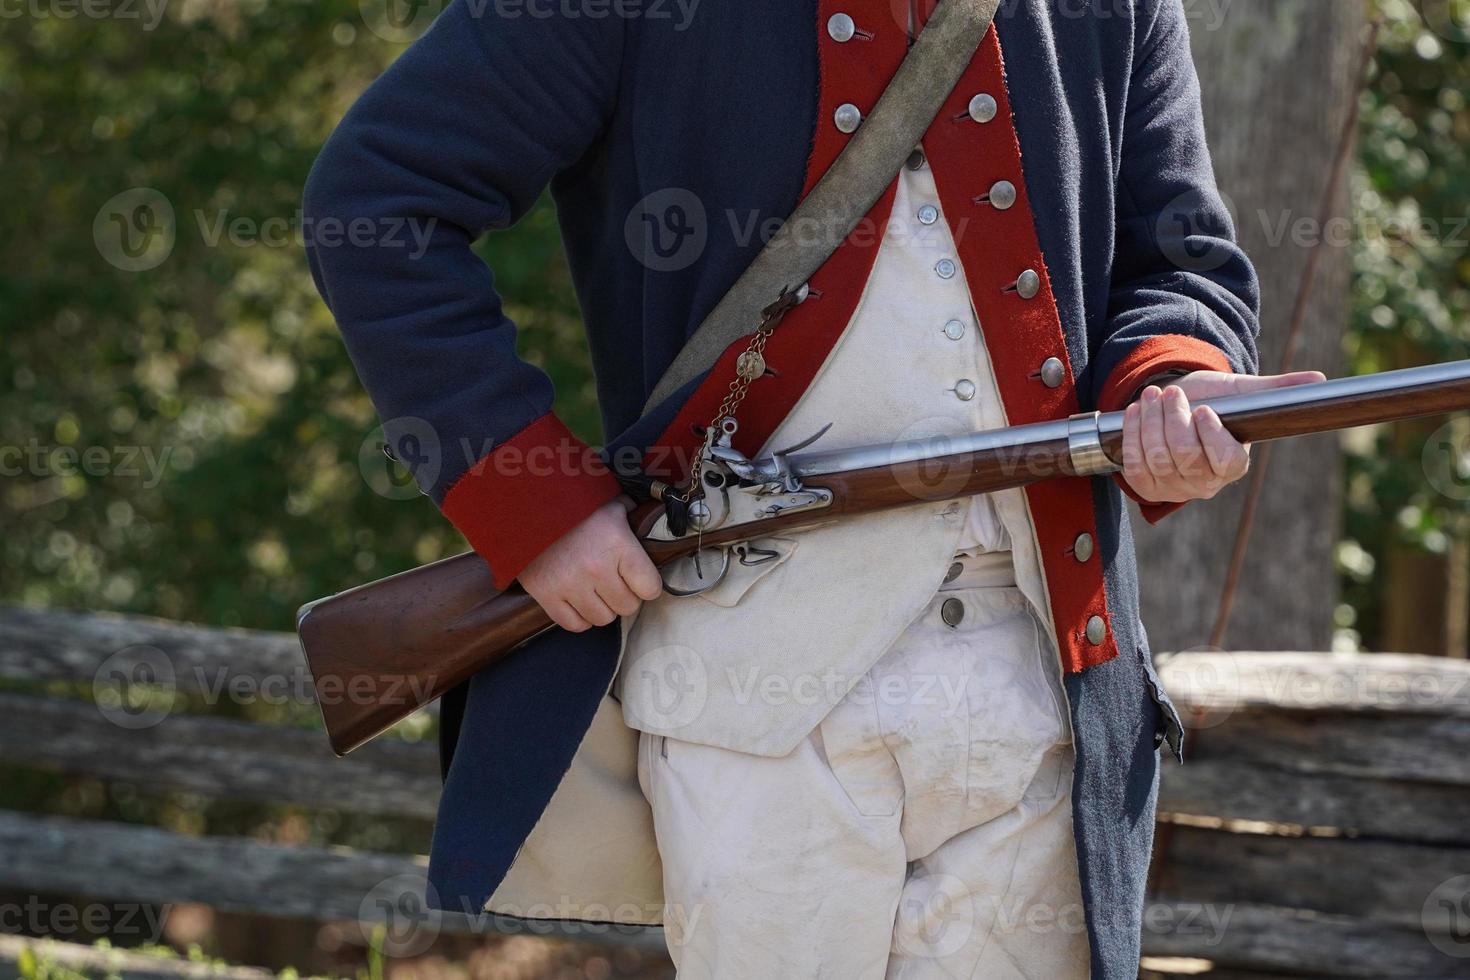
983,108
1002,196
842,28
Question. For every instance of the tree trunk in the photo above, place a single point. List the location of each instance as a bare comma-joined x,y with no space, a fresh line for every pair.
1278,77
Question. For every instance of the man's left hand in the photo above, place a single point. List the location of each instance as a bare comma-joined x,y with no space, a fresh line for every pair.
1174,451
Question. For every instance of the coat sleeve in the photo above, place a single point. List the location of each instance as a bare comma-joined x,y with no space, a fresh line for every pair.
458,137
1184,296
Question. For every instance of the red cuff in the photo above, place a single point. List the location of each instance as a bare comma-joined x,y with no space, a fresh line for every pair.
526,493
1155,356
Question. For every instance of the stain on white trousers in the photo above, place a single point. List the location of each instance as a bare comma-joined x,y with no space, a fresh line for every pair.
923,830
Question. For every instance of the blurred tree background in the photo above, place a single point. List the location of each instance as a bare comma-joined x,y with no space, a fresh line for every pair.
223,418
188,440
1405,552
226,428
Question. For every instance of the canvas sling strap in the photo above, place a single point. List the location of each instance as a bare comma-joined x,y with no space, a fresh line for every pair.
847,192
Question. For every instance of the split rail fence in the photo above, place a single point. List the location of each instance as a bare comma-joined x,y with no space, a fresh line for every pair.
1321,827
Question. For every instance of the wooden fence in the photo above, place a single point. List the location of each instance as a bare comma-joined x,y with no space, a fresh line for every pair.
1320,829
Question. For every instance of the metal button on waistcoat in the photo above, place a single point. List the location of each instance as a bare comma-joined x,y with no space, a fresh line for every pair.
841,28
954,572
847,117
1082,547
928,214
1097,630
983,108
1028,284
1003,195
916,159
954,329
945,268
1053,372
952,611
964,389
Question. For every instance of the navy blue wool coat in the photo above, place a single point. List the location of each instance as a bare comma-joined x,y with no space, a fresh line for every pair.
673,139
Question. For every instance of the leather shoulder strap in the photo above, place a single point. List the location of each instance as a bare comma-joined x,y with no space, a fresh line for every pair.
848,190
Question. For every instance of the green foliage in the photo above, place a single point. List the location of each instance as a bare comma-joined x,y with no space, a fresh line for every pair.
36,962
215,420
1411,279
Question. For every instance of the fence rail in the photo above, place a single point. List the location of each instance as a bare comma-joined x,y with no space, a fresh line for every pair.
1321,820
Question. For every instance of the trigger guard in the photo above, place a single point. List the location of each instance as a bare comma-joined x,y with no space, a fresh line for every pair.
705,586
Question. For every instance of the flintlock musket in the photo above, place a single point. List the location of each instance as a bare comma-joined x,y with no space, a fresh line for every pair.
382,650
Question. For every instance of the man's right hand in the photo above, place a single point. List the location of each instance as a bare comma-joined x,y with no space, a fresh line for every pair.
594,573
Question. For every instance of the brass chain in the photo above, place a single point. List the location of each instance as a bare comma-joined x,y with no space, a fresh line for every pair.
748,366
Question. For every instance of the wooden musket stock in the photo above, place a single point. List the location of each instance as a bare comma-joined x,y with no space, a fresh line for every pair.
380,651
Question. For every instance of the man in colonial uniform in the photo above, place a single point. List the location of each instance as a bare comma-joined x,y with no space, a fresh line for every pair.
922,743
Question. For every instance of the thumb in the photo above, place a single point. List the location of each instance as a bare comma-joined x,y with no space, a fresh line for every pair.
1247,383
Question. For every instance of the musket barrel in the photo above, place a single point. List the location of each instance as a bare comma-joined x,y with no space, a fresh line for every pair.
1327,406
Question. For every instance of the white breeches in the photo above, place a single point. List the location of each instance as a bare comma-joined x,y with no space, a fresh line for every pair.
923,830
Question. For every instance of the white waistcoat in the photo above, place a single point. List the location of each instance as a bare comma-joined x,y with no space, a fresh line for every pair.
756,663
